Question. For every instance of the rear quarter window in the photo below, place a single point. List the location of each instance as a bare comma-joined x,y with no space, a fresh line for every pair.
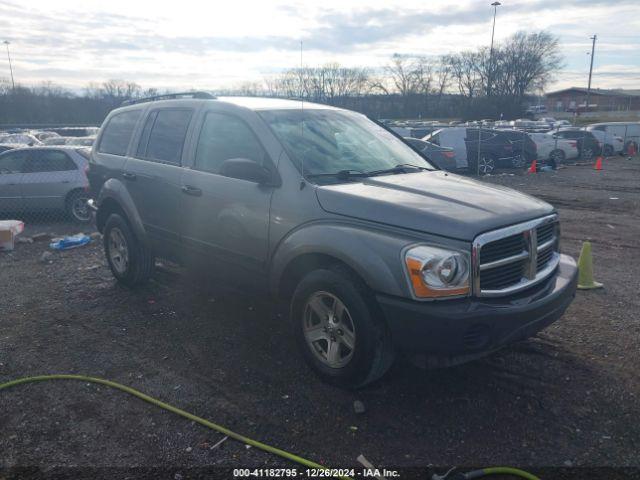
117,134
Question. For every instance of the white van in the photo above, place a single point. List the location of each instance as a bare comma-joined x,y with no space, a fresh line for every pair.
629,132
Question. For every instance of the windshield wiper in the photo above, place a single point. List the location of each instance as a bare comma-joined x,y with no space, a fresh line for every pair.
341,175
401,168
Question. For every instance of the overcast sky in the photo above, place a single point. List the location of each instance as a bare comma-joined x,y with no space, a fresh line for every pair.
217,44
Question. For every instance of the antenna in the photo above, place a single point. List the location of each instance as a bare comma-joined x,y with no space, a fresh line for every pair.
302,182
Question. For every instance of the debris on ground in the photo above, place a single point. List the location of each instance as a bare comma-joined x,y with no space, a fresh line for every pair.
359,407
46,257
42,237
70,242
9,230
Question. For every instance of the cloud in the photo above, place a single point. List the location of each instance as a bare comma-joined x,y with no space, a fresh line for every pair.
70,41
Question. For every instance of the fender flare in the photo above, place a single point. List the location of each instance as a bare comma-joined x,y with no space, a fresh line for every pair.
375,255
113,189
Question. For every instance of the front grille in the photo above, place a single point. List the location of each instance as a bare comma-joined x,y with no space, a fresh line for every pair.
514,258
505,247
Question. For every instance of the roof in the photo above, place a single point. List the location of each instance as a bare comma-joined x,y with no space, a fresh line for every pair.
264,103
598,91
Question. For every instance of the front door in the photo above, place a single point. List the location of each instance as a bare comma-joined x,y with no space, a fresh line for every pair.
11,172
226,219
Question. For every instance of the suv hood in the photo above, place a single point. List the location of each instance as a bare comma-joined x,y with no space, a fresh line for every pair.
434,202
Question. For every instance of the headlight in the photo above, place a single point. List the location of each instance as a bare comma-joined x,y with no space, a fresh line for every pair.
436,272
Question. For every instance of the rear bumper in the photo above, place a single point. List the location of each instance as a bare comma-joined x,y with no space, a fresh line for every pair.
471,326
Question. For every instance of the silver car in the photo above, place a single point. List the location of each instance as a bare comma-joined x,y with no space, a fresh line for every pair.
45,178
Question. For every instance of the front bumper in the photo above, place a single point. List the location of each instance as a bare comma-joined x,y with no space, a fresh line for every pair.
472,326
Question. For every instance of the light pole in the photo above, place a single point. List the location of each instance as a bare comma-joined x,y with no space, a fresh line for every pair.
13,84
495,6
593,47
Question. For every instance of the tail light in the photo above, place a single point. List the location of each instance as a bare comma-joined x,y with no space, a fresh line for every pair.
449,154
573,143
508,148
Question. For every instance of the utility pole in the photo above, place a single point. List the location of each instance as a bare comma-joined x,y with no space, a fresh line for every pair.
593,47
13,84
495,6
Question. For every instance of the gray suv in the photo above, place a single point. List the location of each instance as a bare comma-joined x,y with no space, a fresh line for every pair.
374,249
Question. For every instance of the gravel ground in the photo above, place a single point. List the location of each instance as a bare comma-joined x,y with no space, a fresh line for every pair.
569,397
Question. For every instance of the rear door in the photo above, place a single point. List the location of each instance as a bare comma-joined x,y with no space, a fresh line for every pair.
49,176
11,172
227,219
153,175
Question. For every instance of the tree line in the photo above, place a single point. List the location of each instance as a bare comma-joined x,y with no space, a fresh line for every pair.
481,83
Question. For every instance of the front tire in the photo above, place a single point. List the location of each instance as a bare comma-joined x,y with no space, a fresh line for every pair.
131,263
339,329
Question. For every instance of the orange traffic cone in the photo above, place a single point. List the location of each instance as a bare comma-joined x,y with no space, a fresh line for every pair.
598,163
534,166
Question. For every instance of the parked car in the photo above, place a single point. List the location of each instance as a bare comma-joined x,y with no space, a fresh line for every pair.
42,135
554,150
443,157
9,146
45,178
79,141
628,131
588,145
496,150
20,138
373,249
611,144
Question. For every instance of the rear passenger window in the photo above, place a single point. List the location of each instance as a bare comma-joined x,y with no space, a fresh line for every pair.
163,136
224,137
117,134
49,161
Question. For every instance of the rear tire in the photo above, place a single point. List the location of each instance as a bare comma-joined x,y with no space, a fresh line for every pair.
131,263
607,151
339,329
76,207
556,157
587,153
485,165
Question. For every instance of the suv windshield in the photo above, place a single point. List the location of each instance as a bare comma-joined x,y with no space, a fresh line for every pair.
332,141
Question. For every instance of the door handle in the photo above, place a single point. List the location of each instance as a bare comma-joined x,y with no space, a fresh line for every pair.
190,190
129,176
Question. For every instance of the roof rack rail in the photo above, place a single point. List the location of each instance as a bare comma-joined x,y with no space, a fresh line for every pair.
169,96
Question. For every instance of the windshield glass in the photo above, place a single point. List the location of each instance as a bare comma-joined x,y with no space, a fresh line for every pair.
331,141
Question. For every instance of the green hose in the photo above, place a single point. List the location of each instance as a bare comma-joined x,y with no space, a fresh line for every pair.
509,471
229,433
171,408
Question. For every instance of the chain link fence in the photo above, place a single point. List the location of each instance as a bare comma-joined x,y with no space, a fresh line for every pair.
43,180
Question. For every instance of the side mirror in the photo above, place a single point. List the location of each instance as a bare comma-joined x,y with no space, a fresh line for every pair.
245,169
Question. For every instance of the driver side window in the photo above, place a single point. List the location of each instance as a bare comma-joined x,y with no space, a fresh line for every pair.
12,163
222,138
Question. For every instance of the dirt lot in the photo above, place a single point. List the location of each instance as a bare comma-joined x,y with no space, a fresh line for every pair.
571,396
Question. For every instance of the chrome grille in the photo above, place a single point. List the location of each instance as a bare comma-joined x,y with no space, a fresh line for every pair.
514,258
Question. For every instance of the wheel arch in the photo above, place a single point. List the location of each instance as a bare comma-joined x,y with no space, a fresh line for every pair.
374,257
114,198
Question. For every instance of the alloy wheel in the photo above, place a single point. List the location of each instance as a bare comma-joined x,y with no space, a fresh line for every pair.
329,329
118,251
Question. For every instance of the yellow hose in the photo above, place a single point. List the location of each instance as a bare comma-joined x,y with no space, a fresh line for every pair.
171,408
